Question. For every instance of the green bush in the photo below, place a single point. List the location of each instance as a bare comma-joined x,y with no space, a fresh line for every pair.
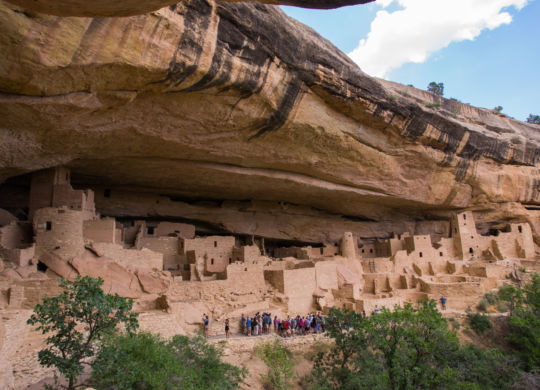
502,307
145,361
524,322
455,323
491,298
482,305
480,323
280,363
408,348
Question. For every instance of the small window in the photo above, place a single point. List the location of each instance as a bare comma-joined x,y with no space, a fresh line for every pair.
371,251
441,254
215,244
150,230
48,225
41,267
230,260
421,255
520,229
107,193
322,248
212,261
471,250
472,237
363,251
464,216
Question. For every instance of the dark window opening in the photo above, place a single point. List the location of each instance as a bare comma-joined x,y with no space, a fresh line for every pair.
520,229
363,251
215,244
441,254
321,251
471,250
371,251
150,230
41,267
186,267
48,225
230,260
107,193
472,237
421,255
212,261
464,216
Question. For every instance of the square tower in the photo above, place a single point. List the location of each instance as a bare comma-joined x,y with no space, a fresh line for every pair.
466,238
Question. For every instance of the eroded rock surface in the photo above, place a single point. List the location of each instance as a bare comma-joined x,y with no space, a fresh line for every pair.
237,102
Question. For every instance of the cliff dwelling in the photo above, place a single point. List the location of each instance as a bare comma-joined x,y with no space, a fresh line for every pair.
221,158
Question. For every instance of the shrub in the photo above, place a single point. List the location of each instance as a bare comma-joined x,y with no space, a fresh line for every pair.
146,361
480,323
83,302
433,105
436,88
482,305
491,298
502,307
455,323
280,363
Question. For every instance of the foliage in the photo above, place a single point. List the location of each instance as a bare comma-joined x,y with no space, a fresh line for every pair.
491,298
480,323
77,320
509,295
533,119
436,88
455,323
400,349
498,109
482,305
524,334
280,362
502,307
409,348
146,361
433,105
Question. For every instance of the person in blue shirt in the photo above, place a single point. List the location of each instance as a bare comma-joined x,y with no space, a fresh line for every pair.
443,302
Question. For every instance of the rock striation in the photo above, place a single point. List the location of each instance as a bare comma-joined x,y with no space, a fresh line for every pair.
237,104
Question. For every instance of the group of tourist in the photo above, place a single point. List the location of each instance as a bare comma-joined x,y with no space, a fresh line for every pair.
263,323
300,325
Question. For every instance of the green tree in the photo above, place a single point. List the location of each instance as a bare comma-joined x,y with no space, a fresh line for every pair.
280,363
77,320
408,348
533,119
524,334
436,88
146,361
498,109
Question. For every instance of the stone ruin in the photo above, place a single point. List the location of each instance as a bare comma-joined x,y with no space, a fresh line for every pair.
167,265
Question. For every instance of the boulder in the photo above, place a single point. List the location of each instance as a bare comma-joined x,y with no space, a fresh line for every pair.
58,265
116,278
153,282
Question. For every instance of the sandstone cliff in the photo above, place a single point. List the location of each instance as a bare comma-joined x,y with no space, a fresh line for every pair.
137,7
240,105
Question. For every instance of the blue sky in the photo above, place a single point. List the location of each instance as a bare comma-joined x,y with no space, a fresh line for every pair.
486,52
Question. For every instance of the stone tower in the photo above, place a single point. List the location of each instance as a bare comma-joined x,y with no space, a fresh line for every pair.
465,235
348,245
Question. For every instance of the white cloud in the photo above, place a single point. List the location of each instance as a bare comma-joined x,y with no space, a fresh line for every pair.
421,27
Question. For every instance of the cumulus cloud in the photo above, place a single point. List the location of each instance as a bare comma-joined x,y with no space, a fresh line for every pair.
421,27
